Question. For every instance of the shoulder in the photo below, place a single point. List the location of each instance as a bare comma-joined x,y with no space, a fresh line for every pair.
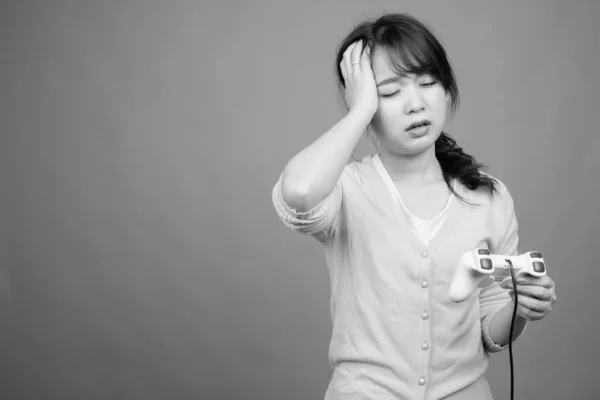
499,197
499,207
502,195
358,170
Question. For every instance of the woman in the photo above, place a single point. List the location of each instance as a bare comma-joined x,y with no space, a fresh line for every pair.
394,225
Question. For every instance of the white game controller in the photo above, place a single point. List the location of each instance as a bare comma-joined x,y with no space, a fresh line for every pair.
480,268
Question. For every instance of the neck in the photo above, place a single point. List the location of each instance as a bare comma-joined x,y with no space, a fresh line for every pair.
418,168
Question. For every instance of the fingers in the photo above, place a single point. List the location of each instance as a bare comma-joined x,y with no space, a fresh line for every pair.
352,58
533,303
357,52
547,282
532,309
346,63
365,58
538,292
536,295
544,281
542,289
344,70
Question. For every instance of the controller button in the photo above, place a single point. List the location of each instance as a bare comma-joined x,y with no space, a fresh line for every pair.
486,263
425,315
425,346
485,252
535,254
424,253
538,266
424,284
422,381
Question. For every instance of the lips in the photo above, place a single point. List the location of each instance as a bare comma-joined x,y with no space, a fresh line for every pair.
418,124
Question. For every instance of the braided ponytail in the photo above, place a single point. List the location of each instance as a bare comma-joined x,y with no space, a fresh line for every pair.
459,165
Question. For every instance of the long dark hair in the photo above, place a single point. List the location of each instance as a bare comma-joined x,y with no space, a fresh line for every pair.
411,47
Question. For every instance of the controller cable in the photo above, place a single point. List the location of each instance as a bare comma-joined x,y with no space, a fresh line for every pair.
512,322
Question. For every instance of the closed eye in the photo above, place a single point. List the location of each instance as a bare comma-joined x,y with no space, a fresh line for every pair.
390,94
427,84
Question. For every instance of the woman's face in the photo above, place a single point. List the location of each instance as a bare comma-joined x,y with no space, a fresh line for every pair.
404,101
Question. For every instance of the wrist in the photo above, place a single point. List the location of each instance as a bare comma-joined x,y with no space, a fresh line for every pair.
499,327
361,115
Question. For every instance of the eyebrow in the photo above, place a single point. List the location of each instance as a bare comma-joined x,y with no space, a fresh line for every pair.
399,78
389,80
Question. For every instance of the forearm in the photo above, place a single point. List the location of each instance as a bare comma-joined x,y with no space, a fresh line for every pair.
311,175
499,327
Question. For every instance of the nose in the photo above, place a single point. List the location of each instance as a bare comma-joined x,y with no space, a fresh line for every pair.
414,102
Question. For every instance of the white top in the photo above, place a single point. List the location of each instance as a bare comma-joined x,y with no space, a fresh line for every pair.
424,229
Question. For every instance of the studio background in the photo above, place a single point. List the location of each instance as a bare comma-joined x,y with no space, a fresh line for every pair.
142,257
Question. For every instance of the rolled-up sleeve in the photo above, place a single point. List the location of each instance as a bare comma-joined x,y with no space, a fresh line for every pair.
320,222
503,240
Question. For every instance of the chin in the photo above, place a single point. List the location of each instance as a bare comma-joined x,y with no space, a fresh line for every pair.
416,146
425,140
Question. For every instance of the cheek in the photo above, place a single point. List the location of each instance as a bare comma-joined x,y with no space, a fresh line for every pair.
389,116
439,103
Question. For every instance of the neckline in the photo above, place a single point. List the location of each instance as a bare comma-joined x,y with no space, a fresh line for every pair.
452,208
429,220
390,182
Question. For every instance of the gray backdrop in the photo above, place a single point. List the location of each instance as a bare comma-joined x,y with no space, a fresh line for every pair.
142,257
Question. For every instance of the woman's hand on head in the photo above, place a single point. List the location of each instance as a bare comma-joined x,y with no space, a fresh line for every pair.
361,90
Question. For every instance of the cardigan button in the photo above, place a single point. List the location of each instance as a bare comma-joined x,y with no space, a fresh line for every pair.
421,381
424,284
425,315
424,253
425,346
